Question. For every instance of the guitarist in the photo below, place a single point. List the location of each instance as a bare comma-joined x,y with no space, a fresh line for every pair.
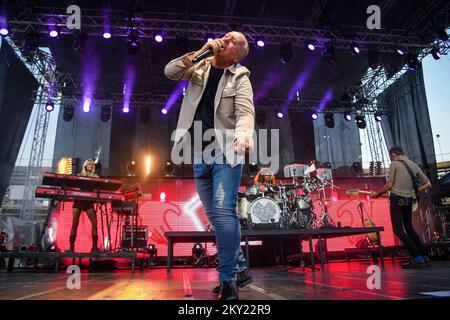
405,180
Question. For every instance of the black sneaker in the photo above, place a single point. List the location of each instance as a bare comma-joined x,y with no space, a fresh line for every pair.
243,278
228,290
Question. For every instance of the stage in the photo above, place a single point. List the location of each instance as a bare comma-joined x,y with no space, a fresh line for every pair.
338,281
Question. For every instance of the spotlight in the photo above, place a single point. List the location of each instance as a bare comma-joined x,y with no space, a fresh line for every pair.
79,43
400,51
280,114
354,48
412,62
68,113
49,106
314,115
197,250
145,114
107,35
131,168
252,169
328,53
87,104
158,38
162,197
436,53
377,116
374,60
347,116
152,250
133,41
260,43
53,30
360,121
169,169
286,52
4,31
310,44
329,119
164,111
125,109
105,113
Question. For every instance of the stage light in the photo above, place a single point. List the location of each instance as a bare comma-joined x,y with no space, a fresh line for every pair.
169,169
4,31
328,53
107,35
68,112
79,43
131,168
286,52
133,41
49,106
252,169
354,48
164,111
87,104
400,51
436,53
260,43
329,119
310,44
374,60
314,115
148,165
145,114
412,62
152,250
53,30
347,116
159,38
125,109
105,113
360,121
197,250
280,114
162,197
377,116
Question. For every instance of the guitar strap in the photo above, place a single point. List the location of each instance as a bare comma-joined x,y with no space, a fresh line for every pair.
411,175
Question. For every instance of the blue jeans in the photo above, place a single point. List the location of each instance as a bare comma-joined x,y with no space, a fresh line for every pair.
217,187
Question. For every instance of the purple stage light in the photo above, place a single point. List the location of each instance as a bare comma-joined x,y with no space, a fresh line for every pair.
164,111
354,48
54,33
311,47
400,51
310,44
280,115
377,116
107,35
87,104
4,31
126,109
347,116
158,38
49,106
260,43
314,116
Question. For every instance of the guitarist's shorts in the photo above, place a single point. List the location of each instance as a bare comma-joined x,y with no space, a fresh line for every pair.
401,201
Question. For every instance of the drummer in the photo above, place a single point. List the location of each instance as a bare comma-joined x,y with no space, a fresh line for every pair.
264,178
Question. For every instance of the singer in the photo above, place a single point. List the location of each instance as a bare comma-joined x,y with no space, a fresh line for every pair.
220,96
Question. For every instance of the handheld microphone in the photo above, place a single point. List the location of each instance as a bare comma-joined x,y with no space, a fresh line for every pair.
203,55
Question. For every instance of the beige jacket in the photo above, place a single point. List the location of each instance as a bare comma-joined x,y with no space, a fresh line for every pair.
234,112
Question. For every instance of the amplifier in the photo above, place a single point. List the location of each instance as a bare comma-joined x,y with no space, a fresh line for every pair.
140,236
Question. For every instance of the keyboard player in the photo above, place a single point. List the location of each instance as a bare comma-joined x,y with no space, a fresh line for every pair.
88,206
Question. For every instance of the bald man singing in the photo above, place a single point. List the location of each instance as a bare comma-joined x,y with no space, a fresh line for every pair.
219,102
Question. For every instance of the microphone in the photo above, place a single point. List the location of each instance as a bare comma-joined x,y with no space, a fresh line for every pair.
203,55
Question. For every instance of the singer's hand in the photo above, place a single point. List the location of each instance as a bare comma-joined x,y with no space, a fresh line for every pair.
216,45
240,145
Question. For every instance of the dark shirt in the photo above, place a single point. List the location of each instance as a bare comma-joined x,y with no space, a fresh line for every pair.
205,108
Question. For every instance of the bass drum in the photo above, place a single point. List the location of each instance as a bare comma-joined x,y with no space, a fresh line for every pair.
264,213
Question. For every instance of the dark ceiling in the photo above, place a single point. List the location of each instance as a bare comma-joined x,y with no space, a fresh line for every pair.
269,76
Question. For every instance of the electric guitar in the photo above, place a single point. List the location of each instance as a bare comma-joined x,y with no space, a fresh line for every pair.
355,192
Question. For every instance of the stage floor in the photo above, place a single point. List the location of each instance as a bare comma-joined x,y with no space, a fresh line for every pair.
339,280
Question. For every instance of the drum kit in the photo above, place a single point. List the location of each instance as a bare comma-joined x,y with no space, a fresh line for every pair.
300,204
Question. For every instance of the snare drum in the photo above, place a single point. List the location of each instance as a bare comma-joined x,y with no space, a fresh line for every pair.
264,213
